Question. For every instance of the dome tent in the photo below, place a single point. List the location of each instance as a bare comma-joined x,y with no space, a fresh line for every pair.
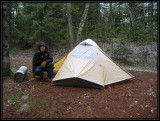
88,66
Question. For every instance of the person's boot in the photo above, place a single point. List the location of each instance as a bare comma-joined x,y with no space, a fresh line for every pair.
33,77
49,79
41,78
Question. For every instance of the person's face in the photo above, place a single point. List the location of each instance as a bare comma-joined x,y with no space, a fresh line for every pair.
42,48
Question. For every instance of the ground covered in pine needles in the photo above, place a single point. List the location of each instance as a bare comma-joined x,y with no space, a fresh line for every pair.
136,98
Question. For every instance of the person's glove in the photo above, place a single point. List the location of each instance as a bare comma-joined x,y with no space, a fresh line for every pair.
43,64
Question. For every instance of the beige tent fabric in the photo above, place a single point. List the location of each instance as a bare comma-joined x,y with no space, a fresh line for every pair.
87,61
112,71
89,42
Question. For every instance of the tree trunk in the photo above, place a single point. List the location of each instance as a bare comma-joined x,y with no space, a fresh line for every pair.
5,26
132,24
151,24
110,13
70,25
84,16
99,13
131,15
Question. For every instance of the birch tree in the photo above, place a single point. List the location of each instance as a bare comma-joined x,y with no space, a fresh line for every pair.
84,16
80,28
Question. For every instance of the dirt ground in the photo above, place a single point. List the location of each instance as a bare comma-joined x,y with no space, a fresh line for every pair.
136,98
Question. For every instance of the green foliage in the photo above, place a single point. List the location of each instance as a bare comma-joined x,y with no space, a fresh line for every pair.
62,41
6,85
37,103
14,51
122,51
38,22
31,23
89,108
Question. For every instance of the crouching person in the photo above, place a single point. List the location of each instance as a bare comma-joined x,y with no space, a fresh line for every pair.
42,61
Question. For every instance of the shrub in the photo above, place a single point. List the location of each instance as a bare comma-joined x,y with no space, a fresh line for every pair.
122,51
14,51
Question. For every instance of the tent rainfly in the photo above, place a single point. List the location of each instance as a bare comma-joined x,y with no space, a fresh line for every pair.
88,66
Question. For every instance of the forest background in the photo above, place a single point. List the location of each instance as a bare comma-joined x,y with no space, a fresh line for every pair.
127,31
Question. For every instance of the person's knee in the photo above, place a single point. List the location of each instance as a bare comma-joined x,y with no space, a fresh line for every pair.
38,71
50,70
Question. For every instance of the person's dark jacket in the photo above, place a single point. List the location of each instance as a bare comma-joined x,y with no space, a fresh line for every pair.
39,56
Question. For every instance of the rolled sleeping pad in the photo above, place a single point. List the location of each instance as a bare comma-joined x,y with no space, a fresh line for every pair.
20,74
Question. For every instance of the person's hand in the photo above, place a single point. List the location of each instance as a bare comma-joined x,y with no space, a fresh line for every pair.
43,64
